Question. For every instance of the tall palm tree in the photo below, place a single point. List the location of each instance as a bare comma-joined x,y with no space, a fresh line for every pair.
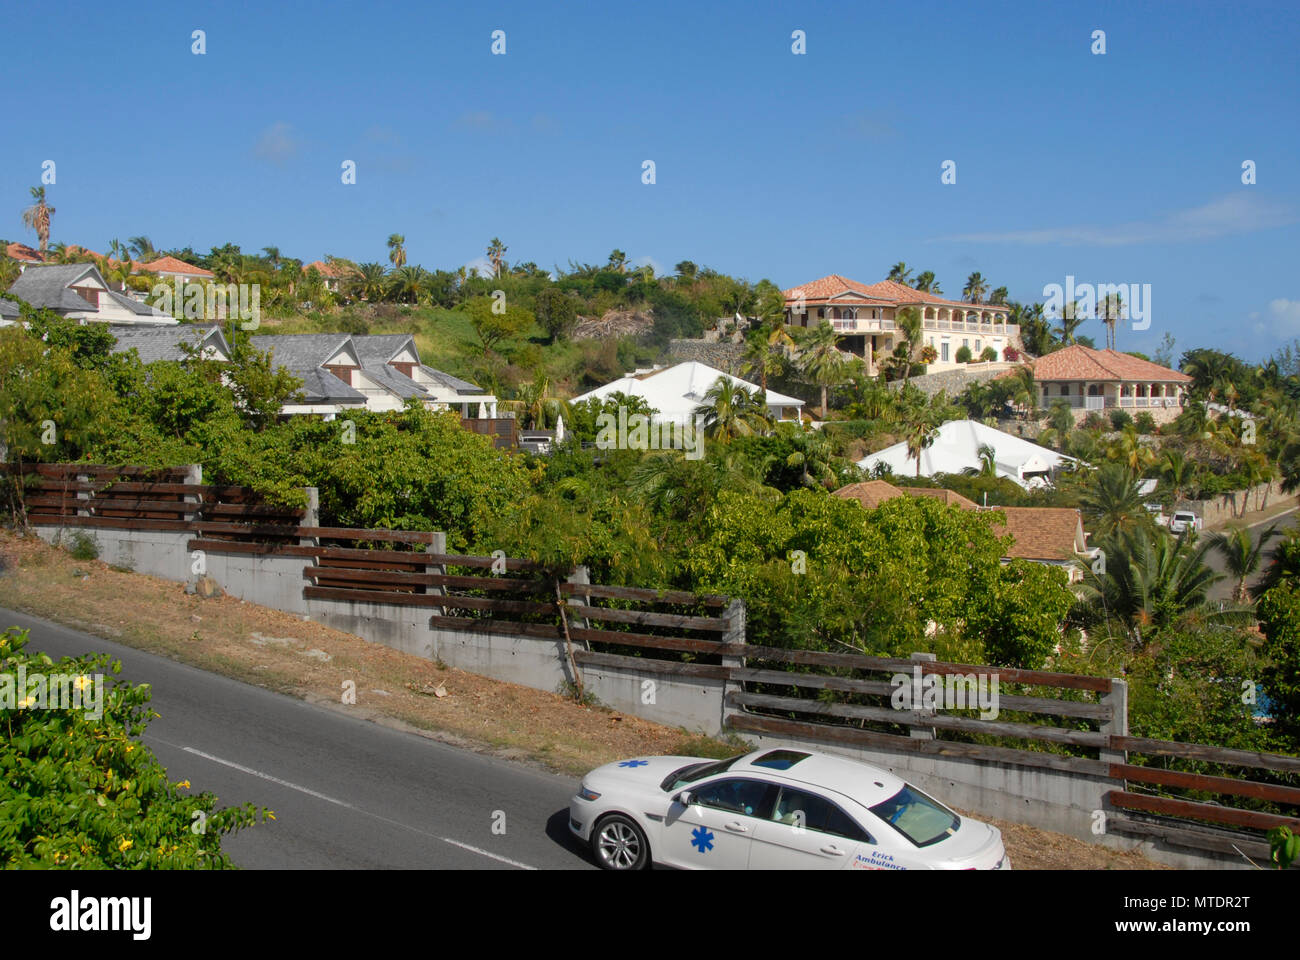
813,456
921,433
496,252
37,217
1035,331
618,261
1151,579
730,410
821,360
1113,502
409,284
999,296
117,250
1112,309
397,250
901,273
1070,321
273,254
759,359
1060,416
1129,450
911,330
1241,554
975,289
539,406
1023,389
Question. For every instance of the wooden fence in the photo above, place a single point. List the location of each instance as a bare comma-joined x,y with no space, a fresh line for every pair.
1068,723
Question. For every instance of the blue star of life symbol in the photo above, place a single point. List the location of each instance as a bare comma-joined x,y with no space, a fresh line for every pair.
702,838
635,763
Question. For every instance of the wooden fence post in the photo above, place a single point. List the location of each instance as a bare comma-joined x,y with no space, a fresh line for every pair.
734,635
582,576
310,517
438,544
922,733
1117,725
193,475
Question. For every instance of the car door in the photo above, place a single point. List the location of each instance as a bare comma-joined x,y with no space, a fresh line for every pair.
716,830
807,831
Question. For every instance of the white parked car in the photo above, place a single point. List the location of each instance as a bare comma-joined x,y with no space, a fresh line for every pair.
1183,521
780,809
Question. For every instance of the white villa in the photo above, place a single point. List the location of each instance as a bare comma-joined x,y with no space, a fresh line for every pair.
958,446
677,391
864,316
1089,380
78,292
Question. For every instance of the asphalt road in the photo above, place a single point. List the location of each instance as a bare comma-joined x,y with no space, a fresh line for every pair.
347,793
1223,589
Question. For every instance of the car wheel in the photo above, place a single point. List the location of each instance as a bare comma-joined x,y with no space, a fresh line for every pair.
619,844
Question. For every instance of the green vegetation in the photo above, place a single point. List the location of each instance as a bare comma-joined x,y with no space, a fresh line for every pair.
81,791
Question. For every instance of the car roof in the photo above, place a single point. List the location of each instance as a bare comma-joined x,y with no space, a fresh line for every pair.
865,783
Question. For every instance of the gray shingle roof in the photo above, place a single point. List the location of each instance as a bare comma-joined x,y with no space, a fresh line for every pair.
382,347
164,343
446,379
135,306
8,309
302,355
47,285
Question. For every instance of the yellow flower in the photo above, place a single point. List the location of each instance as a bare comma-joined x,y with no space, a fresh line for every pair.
125,845
184,783
26,702
83,682
270,815
130,747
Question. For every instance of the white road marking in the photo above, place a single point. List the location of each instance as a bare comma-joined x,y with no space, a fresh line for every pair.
466,846
320,796
266,776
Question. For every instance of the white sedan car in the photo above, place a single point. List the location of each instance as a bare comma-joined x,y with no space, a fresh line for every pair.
776,809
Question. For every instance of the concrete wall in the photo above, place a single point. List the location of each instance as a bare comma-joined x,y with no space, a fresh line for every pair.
1221,509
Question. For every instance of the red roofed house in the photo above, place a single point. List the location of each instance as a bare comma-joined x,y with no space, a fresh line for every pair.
332,276
23,253
170,268
864,316
1089,380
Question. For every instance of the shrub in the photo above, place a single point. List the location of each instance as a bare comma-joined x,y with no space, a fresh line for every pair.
1146,424
1011,355
83,546
988,355
1094,421
963,354
1119,419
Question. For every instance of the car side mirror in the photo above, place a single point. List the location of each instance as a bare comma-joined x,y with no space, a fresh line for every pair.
684,798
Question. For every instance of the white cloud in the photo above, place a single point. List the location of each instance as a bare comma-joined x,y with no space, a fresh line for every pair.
1284,317
480,265
278,144
642,261
1233,214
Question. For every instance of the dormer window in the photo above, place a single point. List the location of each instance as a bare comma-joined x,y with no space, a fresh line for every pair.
89,294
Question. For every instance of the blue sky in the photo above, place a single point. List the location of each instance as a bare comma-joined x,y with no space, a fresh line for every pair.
1120,168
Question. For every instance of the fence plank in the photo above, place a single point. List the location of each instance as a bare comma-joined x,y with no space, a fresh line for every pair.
900,744
687,644
1196,751
644,665
684,597
1198,781
647,618
1253,819
539,631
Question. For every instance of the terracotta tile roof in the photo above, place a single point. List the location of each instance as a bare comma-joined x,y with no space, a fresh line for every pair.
871,493
1078,362
1041,533
890,292
950,497
325,270
20,251
172,265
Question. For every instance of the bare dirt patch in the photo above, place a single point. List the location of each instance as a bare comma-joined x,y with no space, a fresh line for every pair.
301,658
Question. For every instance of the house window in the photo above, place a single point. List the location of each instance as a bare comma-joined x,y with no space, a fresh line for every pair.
943,351
88,294
406,369
343,373
979,346
1065,389
965,342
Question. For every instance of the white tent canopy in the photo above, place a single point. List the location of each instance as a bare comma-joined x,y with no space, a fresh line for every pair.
958,446
678,390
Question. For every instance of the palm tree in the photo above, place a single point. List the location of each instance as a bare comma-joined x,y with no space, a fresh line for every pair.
731,410
1035,331
540,408
921,434
901,273
37,217
273,254
1071,320
1129,450
1113,502
975,289
1112,310
821,360
759,359
910,327
496,252
999,296
371,283
618,261
813,456
1152,579
1060,416
1023,389
142,248
1178,472
926,283
1241,554
117,250
988,463
409,283
397,250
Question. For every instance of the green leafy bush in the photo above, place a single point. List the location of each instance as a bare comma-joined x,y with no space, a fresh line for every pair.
80,791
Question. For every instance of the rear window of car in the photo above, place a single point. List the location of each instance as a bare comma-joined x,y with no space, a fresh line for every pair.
917,817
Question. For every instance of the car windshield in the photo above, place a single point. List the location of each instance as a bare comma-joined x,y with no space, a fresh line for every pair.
693,772
917,817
